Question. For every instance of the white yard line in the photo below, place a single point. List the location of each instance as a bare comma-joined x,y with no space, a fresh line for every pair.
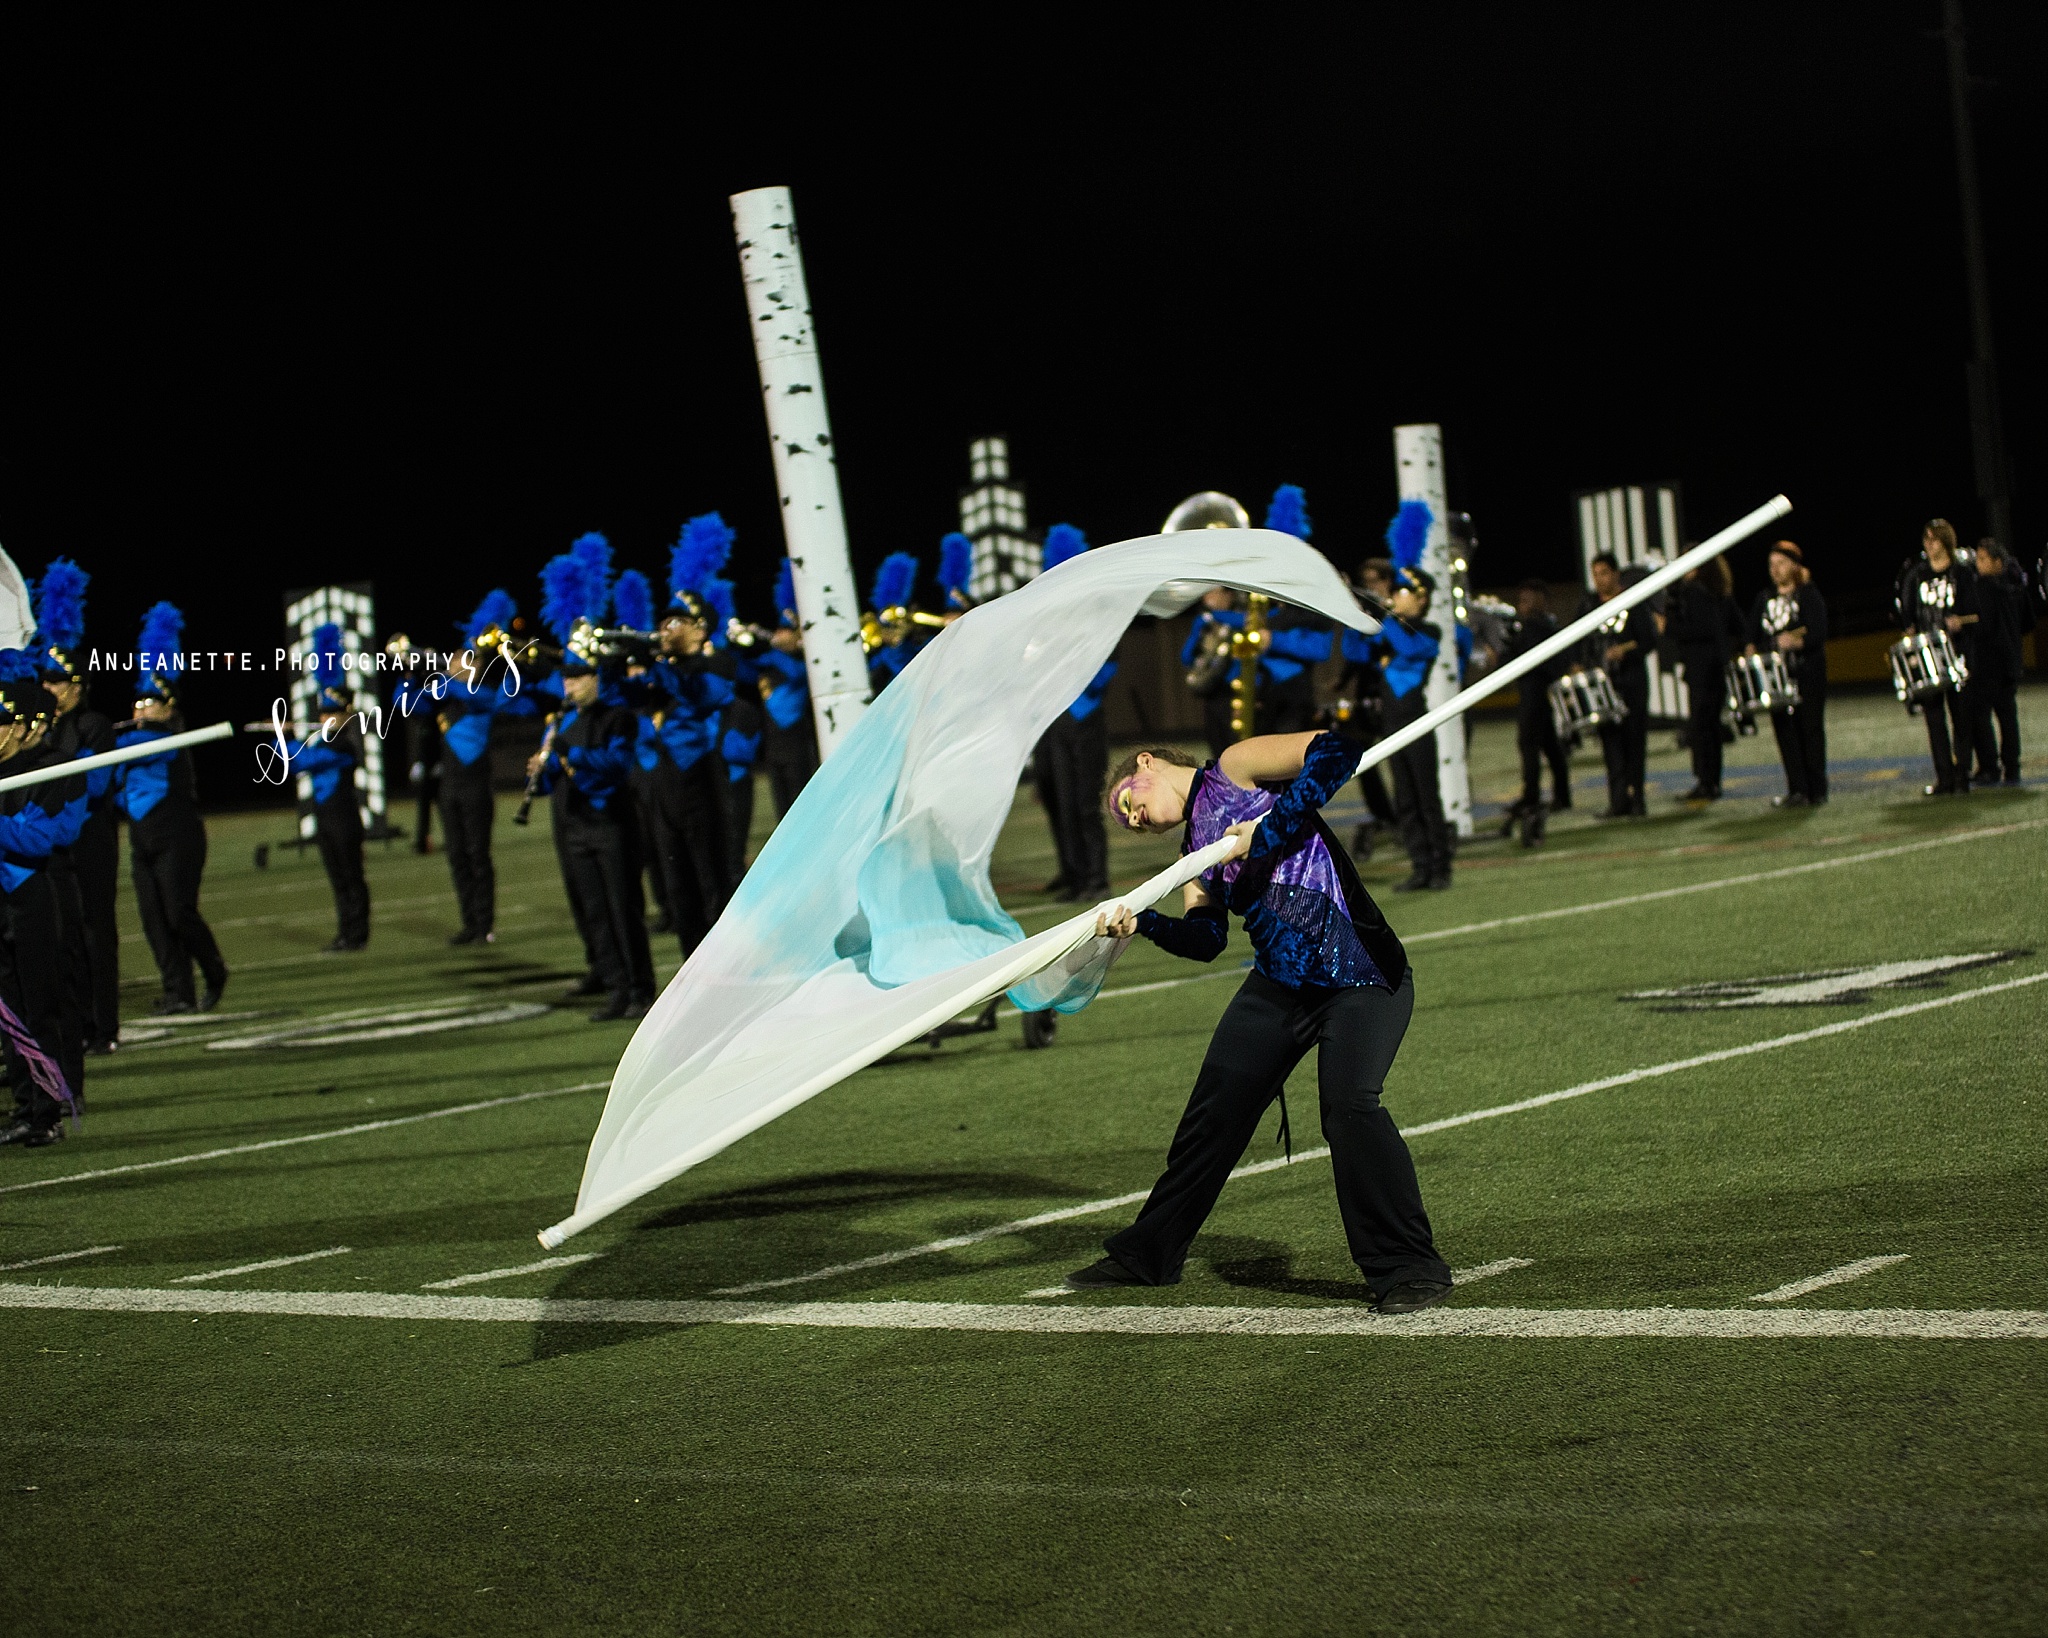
507,1273
1355,1320
60,1257
267,1263
306,1137
1630,1077
1834,1276
1486,1271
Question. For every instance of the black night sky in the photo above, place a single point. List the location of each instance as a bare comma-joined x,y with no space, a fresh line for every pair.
290,307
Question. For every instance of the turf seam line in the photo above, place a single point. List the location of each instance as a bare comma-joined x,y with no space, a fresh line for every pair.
544,1264
267,1263
1626,1078
1355,1319
60,1257
1834,1276
304,1137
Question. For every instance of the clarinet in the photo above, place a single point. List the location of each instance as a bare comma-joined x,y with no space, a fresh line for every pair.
547,741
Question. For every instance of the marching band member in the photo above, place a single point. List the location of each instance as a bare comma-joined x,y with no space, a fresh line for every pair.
891,637
739,725
1706,628
1220,613
1068,762
1296,640
1329,972
330,751
633,607
1535,728
1792,617
158,796
1938,592
2001,656
1366,688
1404,650
39,1039
93,861
789,738
1622,645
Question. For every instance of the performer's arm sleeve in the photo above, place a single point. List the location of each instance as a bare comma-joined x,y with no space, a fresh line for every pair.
1357,647
1408,644
1200,935
1303,643
1325,770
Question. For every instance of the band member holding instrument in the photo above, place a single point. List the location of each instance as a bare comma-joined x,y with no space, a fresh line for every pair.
1707,629
330,752
158,796
1329,972
1205,657
1535,728
1622,647
789,738
1791,616
1404,650
2003,600
1938,592
1068,762
93,861
1365,686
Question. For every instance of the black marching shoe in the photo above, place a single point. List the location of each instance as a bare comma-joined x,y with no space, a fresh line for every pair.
1361,841
1440,882
611,1012
15,1131
1102,1276
588,984
1533,825
1417,883
99,1049
663,923
468,935
1699,793
1057,885
41,1137
636,1009
1937,790
214,989
169,1006
1410,1297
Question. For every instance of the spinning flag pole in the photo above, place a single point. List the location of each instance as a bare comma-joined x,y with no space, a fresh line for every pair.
868,919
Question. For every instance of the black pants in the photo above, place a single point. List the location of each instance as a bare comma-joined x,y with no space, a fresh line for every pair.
1068,767
96,857
792,757
2000,705
1418,806
167,856
425,791
1266,1030
690,822
1287,707
739,823
32,985
1216,721
467,809
650,850
338,831
1706,691
1802,734
601,868
1536,739
1625,745
1964,711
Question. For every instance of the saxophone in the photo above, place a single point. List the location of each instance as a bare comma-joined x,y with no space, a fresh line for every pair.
1245,648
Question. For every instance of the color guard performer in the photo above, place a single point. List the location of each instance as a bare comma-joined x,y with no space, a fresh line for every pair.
1792,617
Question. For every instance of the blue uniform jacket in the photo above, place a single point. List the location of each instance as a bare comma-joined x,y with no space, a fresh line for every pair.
1091,697
595,771
788,695
1288,652
686,700
325,762
140,785
466,710
1408,651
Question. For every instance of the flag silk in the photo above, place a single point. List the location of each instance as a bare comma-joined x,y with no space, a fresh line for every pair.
869,919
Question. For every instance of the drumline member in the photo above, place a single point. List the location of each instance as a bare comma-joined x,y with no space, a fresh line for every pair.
1707,629
159,797
1068,762
1791,617
1622,647
2001,656
1404,650
1535,725
1938,592
1329,972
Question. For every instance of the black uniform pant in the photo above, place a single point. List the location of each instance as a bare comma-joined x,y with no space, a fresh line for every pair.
1963,710
96,858
1418,805
338,831
426,791
1372,788
1625,745
739,822
32,986
1216,721
792,757
1999,754
1706,690
1536,739
1266,1030
601,868
1068,767
167,857
467,809
1287,707
690,821
1802,734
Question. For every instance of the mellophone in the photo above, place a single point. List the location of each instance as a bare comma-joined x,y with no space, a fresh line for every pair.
1584,698
1759,685
1925,665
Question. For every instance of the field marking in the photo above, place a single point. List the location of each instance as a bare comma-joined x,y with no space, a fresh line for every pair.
1834,1276
507,1273
304,1137
60,1257
1630,1077
268,1263
1354,1320
1486,1271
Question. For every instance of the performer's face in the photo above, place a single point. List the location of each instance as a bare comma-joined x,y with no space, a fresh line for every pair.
1606,581
681,635
68,693
1783,572
1937,552
152,709
1528,603
1151,799
1409,603
580,690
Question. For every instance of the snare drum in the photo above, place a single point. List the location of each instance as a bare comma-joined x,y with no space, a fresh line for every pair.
1583,699
1926,664
1760,683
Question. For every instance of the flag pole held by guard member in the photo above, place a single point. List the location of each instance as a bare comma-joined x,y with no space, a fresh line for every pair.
107,759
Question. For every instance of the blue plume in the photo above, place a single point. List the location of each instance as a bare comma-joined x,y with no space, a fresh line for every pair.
1062,541
698,554
1288,511
1409,533
497,609
956,563
718,593
327,652
594,552
564,592
894,582
162,627
633,600
60,604
785,589
16,666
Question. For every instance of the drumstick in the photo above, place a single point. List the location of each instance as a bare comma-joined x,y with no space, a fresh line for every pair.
1578,630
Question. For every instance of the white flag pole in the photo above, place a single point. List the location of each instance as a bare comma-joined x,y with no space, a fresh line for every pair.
127,753
806,464
1576,632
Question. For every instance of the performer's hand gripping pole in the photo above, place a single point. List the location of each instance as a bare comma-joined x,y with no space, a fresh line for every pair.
127,753
1577,632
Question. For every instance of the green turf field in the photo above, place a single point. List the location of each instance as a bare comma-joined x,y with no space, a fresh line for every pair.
1607,1429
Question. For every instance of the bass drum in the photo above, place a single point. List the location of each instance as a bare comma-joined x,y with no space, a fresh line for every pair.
1584,699
1924,665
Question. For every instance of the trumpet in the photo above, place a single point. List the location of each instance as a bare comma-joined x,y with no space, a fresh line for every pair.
601,645
892,626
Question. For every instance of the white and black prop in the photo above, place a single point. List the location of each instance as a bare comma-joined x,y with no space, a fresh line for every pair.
806,463
353,611
1419,464
112,759
17,613
869,918
1638,523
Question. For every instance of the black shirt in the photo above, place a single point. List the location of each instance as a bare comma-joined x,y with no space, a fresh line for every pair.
1803,609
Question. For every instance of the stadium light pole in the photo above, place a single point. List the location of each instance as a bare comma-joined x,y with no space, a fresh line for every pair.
806,462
